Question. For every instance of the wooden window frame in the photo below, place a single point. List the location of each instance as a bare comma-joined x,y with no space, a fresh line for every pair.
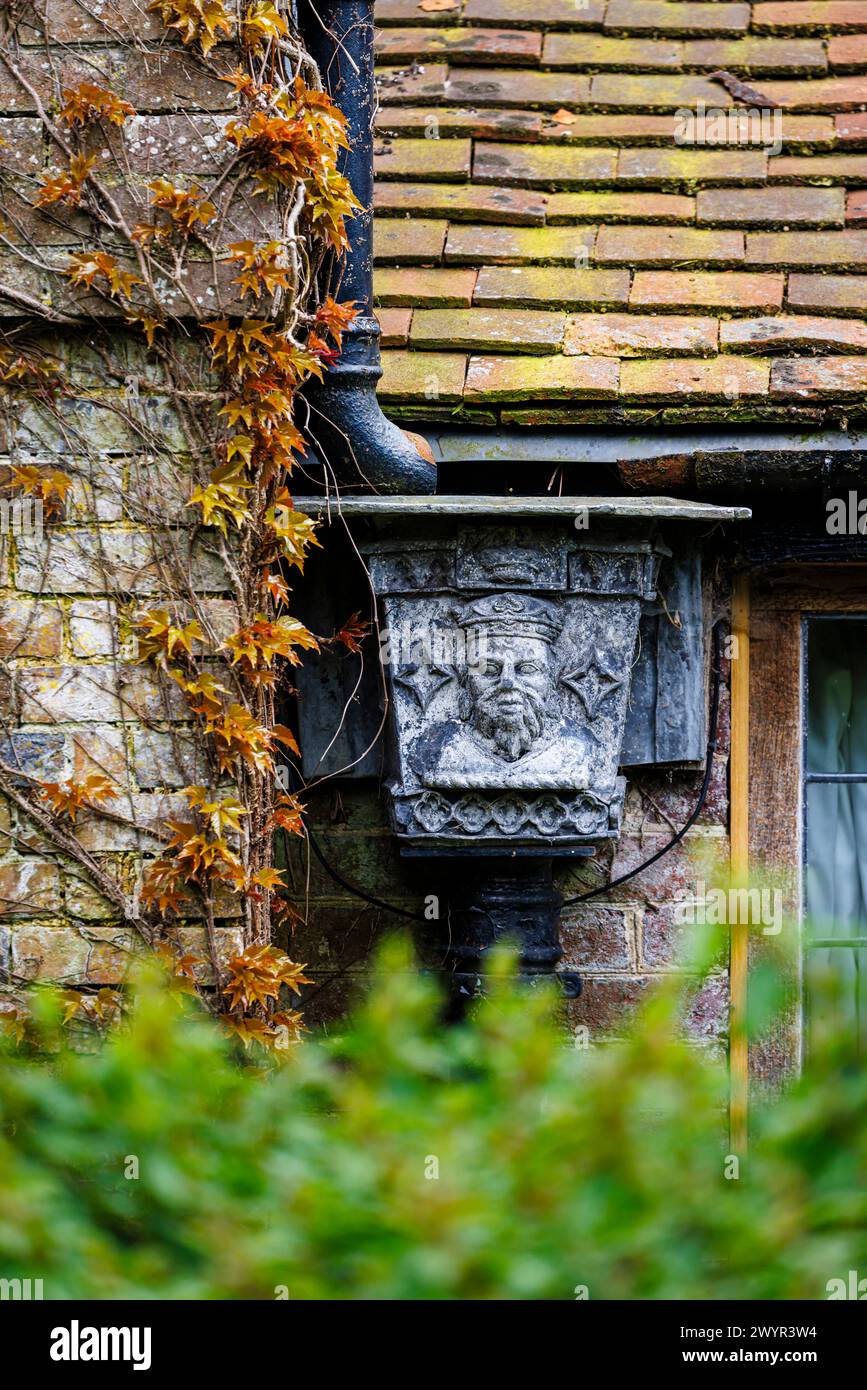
766,790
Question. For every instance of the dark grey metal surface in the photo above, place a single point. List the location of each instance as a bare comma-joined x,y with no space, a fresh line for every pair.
667,721
347,427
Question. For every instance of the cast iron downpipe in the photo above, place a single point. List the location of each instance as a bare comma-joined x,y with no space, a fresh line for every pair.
348,425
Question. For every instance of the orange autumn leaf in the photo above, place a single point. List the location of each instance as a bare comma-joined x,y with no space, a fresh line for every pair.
86,267
67,798
197,21
353,632
187,209
288,815
66,187
87,102
256,975
48,484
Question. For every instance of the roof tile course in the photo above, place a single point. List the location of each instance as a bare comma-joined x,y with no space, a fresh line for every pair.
573,210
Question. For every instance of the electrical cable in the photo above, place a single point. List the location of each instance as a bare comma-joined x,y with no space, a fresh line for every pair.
702,796
712,745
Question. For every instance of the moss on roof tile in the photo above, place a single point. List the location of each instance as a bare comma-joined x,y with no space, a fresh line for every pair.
555,245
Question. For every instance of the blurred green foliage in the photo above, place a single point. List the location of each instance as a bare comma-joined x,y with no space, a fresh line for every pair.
556,1168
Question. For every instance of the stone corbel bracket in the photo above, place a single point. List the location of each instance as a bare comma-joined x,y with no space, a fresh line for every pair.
508,630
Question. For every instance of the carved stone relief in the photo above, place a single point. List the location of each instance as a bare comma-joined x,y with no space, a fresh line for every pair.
508,656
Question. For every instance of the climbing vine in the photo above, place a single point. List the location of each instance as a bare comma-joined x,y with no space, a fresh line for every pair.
204,303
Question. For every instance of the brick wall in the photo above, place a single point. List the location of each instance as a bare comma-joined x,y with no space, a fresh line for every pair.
74,700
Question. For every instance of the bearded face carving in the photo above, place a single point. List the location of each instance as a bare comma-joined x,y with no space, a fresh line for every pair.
510,696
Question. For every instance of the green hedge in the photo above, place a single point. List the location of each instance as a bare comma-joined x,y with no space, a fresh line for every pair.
315,1178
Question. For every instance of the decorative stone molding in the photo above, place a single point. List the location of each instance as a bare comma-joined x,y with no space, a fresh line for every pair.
508,633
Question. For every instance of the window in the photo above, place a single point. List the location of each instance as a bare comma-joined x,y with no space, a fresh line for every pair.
835,808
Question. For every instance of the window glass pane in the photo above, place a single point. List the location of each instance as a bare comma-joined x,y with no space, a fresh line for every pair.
837,894
837,695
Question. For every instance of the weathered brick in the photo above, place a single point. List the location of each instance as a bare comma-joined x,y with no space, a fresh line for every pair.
598,938
189,142
793,15
856,208
540,378
394,325
637,335
466,245
423,376
30,628
705,378
538,287
655,92
820,292
631,128
78,66
18,275
848,51
170,79
706,1017
93,628
823,377
620,207
79,561
97,491
369,858
605,1006
163,759
850,127
22,151
37,752
756,55
641,128
411,84
422,159
459,120
790,334
489,87
480,330
96,747
29,886
66,21
408,12
848,168
78,694
605,51
459,45
65,955
543,166
700,165
842,249
766,207
440,288
635,16
84,902
516,206
828,94
703,289
408,241
660,245
563,14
